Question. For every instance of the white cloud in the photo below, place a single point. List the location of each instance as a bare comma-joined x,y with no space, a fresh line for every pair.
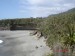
45,7
36,2
69,5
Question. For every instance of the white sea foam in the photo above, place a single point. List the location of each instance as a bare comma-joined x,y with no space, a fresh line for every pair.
1,41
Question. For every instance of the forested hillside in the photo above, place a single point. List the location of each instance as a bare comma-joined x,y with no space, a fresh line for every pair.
6,22
59,31
25,22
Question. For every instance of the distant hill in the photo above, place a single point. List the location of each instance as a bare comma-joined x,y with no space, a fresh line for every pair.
71,10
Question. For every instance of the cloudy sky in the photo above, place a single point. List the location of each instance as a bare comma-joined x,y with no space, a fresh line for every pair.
33,8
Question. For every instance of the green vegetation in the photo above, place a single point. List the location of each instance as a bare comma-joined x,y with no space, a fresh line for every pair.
22,21
50,55
59,30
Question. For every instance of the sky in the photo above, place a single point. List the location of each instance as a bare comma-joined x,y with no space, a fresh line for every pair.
33,8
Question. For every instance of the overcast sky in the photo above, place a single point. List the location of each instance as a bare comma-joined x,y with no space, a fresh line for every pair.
33,8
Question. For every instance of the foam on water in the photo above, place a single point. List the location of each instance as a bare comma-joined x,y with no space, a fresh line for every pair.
1,41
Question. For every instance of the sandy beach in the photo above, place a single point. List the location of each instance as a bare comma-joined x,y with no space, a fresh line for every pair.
20,43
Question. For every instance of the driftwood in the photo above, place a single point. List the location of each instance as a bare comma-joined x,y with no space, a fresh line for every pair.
33,33
39,34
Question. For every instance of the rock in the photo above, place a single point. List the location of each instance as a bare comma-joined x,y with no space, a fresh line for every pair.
36,47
